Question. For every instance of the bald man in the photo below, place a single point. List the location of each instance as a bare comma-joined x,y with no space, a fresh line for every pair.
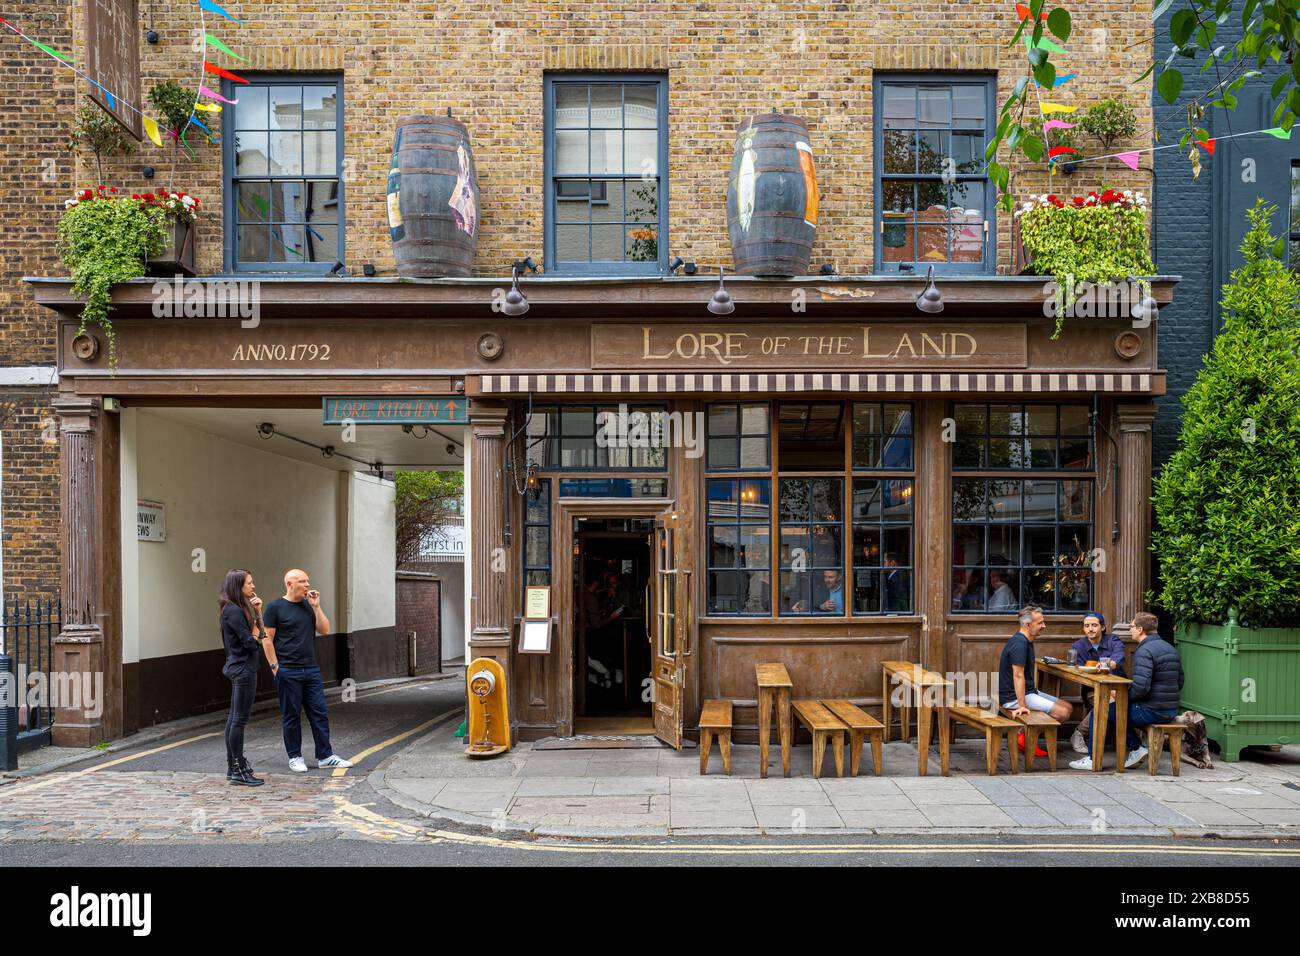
292,623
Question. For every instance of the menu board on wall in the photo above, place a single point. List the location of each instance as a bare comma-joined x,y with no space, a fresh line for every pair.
113,59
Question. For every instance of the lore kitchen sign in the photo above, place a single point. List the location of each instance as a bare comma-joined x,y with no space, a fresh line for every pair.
818,346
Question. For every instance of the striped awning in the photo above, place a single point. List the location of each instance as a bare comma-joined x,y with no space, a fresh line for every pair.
867,382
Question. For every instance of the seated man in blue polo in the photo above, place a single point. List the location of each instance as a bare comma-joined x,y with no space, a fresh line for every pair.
1095,646
1153,696
1016,691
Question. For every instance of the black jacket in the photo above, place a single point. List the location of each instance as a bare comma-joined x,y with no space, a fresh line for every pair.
242,649
1157,674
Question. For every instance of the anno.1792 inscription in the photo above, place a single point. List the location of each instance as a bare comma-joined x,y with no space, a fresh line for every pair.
862,345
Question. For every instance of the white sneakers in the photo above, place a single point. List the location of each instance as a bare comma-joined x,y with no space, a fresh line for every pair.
333,760
1133,759
1078,743
298,765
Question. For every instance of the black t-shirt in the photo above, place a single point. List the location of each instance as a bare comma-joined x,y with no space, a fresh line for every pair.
295,631
1018,651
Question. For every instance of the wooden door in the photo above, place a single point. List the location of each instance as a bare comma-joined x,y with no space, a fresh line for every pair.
670,632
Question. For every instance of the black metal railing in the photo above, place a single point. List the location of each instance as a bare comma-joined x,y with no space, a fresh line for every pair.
27,631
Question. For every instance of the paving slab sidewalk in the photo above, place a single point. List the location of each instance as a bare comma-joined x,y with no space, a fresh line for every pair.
660,791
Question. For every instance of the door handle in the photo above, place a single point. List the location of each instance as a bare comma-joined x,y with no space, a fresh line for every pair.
690,614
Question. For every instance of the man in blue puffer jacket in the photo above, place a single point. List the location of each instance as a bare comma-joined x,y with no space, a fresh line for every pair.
1153,698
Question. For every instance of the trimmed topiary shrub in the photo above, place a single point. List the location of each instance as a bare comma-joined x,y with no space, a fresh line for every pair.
1228,502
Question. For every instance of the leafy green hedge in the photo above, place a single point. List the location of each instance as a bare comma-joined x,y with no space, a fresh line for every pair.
1228,502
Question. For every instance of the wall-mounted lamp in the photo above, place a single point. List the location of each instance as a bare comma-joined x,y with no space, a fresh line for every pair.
930,300
828,268
1145,310
675,264
689,267
516,303
533,484
721,303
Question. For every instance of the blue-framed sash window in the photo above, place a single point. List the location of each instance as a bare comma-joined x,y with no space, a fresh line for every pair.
933,198
282,158
606,160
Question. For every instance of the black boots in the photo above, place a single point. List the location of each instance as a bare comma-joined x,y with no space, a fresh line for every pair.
240,773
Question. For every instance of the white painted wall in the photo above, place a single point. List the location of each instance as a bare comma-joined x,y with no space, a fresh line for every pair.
371,557
246,508
452,576
130,547
469,548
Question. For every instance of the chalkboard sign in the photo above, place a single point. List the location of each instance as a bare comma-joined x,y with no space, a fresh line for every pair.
113,59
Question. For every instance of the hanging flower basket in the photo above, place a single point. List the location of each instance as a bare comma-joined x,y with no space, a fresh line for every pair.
177,255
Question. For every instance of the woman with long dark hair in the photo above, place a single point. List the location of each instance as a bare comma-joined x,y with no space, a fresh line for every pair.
240,612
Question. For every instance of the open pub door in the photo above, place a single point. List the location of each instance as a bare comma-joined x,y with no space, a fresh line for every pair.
670,626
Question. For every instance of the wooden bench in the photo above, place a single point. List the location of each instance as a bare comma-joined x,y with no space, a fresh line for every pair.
995,728
824,725
860,724
1036,723
715,720
1156,734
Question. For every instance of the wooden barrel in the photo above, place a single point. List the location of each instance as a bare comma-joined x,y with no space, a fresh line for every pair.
772,197
433,200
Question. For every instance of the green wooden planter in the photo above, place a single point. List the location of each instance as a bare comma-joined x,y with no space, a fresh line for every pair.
1245,681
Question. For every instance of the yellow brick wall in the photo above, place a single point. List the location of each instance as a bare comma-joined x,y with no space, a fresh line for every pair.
725,61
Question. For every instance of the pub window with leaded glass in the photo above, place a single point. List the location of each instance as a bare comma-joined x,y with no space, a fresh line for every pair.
599,437
811,521
882,517
1019,539
739,437
284,192
537,536
933,194
739,533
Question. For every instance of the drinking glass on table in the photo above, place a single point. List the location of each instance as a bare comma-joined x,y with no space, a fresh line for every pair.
1073,656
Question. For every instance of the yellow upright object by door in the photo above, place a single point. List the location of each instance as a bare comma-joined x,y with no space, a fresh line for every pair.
489,715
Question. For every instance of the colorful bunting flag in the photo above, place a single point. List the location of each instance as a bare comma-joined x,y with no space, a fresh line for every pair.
214,42
226,74
1129,159
1207,145
204,91
1050,125
1024,13
1278,132
1060,151
208,107
1043,44
213,8
1049,108
151,129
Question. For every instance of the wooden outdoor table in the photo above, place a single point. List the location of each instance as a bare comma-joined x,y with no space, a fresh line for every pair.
929,700
1104,685
774,684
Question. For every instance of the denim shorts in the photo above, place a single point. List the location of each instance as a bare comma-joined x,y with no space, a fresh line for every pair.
1036,701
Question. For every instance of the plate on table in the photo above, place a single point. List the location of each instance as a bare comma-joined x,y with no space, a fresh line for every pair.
1089,668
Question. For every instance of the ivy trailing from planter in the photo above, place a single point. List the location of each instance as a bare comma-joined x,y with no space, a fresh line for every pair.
103,240
1094,239
1227,502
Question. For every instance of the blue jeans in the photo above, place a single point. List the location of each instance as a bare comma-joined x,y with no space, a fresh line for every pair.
299,688
1139,716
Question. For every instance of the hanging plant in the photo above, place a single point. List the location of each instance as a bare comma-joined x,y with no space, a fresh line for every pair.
1094,239
104,239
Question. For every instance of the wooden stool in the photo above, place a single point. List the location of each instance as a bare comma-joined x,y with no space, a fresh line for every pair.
995,728
1036,723
715,720
824,725
860,724
1156,734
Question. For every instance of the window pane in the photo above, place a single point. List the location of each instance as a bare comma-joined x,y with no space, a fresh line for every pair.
640,106
866,592
899,107
1004,544
723,453
827,499
322,243
570,105
572,243
319,107
966,240
606,151
642,200
898,546
570,152
754,420
642,152
755,546
898,590
932,242
250,113
251,154
898,500
968,545
1040,500
1040,546
1076,501
253,244
1004,500
794,499
286,154
253,201
286,107
606,243
866,546
537,546
724,547
867,505
811,436
968,499
968,590
934,106
319,153
754,452
1075,590
967,152
723,420
607,105
796,591
900,151
932,152
826,545
1002,590
754,500
968,105
322,202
